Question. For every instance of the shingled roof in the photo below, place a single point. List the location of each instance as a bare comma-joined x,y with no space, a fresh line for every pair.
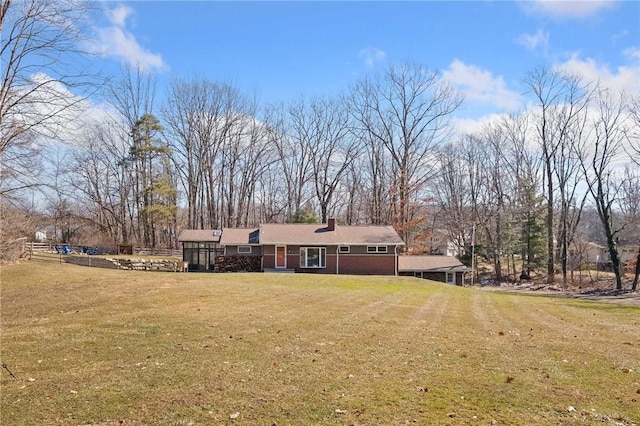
297,234
300,234
200,235
239,236
430,264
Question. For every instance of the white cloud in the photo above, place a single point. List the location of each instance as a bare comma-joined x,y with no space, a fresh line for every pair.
371,56
620,35
626,77
533,41
632,53
481,86
114,40
566,8
55,113
465,126
119,15
117,42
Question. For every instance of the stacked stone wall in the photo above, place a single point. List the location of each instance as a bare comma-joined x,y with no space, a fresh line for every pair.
162,265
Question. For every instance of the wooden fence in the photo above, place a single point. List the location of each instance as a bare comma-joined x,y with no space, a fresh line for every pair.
36,247
39,247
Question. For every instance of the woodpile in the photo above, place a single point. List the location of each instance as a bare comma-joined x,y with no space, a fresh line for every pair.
238,264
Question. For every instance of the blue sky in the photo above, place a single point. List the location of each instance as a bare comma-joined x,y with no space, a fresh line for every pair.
283,50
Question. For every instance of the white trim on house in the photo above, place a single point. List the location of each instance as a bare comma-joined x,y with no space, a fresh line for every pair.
305,257
450,277
377,249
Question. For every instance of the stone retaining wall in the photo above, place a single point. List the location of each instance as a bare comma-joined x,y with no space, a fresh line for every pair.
127,264
150,265
97,262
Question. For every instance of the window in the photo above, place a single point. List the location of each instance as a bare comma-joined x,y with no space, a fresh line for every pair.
376,249
450,278
344,249
313,257
244,249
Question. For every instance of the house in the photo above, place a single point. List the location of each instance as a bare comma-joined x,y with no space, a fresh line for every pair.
309,248
588,253
627,253
41,235
598,255
440,243
48,233
447,269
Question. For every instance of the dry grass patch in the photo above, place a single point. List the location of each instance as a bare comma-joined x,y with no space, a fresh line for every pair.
102,347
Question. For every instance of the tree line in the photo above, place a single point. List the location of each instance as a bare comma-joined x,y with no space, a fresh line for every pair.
382,152
212,157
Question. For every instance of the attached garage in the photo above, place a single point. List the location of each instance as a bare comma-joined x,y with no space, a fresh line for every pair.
446,269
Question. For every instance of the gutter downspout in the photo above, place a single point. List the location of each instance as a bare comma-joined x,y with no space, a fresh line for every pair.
396,261
338,259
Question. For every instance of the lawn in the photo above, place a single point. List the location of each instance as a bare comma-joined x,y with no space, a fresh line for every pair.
89,346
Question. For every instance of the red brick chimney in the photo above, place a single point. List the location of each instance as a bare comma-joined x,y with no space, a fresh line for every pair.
331,224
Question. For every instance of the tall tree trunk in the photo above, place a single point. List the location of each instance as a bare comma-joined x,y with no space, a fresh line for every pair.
550,247
634,286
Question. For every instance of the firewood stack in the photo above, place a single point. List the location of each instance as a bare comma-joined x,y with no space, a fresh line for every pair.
237,264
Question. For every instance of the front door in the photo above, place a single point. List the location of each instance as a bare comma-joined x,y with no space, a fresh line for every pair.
281,257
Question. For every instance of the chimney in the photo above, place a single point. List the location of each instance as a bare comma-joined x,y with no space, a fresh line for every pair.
331,224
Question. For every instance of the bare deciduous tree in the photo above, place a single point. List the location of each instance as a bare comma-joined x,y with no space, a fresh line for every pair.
629,204
453,195
40,92
524,163
561,99
598,165
633,134
103,182
324,127
407,111
289,133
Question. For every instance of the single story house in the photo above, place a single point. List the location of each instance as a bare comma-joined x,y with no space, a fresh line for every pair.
446,269
309,248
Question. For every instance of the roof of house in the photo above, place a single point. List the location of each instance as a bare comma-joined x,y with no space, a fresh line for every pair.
430,264
297,234
200,235
239,236
320,234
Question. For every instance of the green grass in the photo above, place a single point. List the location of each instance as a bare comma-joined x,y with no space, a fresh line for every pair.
105,347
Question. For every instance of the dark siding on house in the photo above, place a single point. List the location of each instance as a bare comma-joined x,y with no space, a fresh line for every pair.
357,262
368,264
